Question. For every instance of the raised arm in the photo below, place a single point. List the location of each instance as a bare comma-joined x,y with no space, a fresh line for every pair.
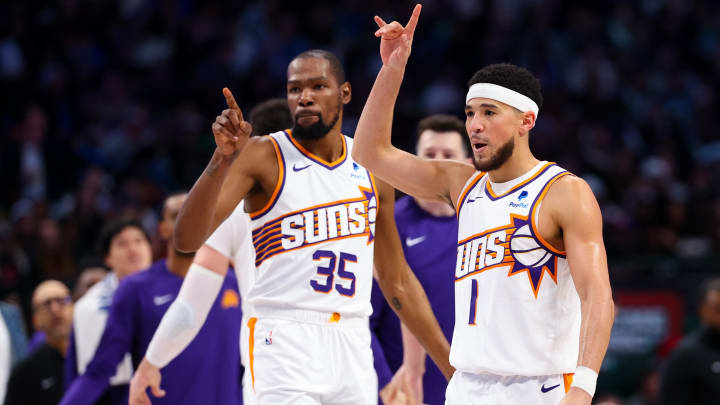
400,286
577,213
422,178
237,166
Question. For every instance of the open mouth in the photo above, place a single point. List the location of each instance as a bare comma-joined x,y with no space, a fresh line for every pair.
479,146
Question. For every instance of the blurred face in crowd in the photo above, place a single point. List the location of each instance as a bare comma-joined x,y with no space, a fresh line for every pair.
129,252
492,127
88,278
441,145
171,209
52,310
710,310
314,97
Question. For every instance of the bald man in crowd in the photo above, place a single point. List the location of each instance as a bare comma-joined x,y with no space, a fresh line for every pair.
38,379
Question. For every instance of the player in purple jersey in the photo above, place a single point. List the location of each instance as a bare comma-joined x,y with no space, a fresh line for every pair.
197,375
423,224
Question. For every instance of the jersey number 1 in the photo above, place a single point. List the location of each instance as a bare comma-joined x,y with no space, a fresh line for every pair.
329,272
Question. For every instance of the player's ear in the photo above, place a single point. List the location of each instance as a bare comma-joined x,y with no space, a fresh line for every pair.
528,121
345,92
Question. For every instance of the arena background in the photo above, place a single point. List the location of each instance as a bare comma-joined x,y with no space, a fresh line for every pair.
118,97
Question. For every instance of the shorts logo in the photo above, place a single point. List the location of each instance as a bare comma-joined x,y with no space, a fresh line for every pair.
544,390
268,339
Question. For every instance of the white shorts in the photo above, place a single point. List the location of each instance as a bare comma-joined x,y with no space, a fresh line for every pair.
247,391
491,389
311,361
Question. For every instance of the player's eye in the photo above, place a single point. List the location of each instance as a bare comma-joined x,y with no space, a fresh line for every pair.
489,113
319,86
469,113
294,89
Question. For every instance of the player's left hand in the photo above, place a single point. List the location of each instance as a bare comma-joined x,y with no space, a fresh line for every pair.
145,376
576,396
396,40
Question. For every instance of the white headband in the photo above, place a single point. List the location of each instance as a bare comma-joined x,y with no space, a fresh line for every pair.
502,94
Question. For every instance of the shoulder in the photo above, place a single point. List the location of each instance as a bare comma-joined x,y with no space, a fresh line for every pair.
570,195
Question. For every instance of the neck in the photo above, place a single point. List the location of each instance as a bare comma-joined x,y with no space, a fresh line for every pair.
178,263
59,344
519,163
328,148
436,209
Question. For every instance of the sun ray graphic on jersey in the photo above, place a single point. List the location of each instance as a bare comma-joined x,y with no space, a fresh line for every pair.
514,245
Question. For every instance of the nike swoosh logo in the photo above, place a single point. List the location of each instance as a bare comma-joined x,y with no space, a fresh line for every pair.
471,200
163,299
544,390
297,169
410,242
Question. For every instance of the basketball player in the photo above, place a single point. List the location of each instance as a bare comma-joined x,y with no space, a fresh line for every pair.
424,227
532,295
137,308
315,216
230,244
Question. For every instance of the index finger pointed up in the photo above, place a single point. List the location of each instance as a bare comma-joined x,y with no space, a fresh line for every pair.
231,103
410,27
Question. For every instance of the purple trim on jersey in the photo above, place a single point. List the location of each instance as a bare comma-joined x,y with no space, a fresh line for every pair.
282,186
329,167
472,186
532,208
533,178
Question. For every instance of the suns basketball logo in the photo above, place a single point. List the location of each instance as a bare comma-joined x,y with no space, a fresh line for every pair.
513,246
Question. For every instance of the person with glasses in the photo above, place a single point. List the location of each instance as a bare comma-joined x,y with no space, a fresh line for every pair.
38,379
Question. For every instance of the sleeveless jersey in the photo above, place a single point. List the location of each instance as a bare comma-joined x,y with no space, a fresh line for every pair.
314,239
516,308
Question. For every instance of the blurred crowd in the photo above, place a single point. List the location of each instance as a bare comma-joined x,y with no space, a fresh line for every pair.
107,107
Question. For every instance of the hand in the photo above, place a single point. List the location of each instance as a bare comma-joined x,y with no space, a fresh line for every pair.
145,376
396,40
407,381
231,131
576,396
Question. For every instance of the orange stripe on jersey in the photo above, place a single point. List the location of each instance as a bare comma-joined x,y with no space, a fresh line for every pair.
317,158
464,193
278,250
278,185
490,191
567,380
535,229
251,347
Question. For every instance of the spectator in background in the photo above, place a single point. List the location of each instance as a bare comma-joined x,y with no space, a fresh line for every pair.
37,380
88,278
691,373
13,342
126,247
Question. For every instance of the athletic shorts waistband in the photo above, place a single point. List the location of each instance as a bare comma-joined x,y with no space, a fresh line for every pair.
315,317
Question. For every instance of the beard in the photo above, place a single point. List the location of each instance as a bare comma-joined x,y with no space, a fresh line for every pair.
316,130
497,159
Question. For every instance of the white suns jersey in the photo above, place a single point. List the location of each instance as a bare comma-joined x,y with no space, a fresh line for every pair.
314,239
516,308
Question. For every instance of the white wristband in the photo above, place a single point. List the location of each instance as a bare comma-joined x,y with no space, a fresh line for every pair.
585,379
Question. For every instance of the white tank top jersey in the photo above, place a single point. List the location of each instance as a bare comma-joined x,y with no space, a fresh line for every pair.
232,240
314,239
516,308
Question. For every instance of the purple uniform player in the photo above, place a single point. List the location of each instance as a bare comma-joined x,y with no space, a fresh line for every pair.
427,230
197,375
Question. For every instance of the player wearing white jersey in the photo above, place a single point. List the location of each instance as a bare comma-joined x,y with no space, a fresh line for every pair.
316,218
533,300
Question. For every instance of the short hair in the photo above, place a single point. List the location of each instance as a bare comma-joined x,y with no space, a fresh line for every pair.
270,116
512,77
335,66
707,287
444,123
113,228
